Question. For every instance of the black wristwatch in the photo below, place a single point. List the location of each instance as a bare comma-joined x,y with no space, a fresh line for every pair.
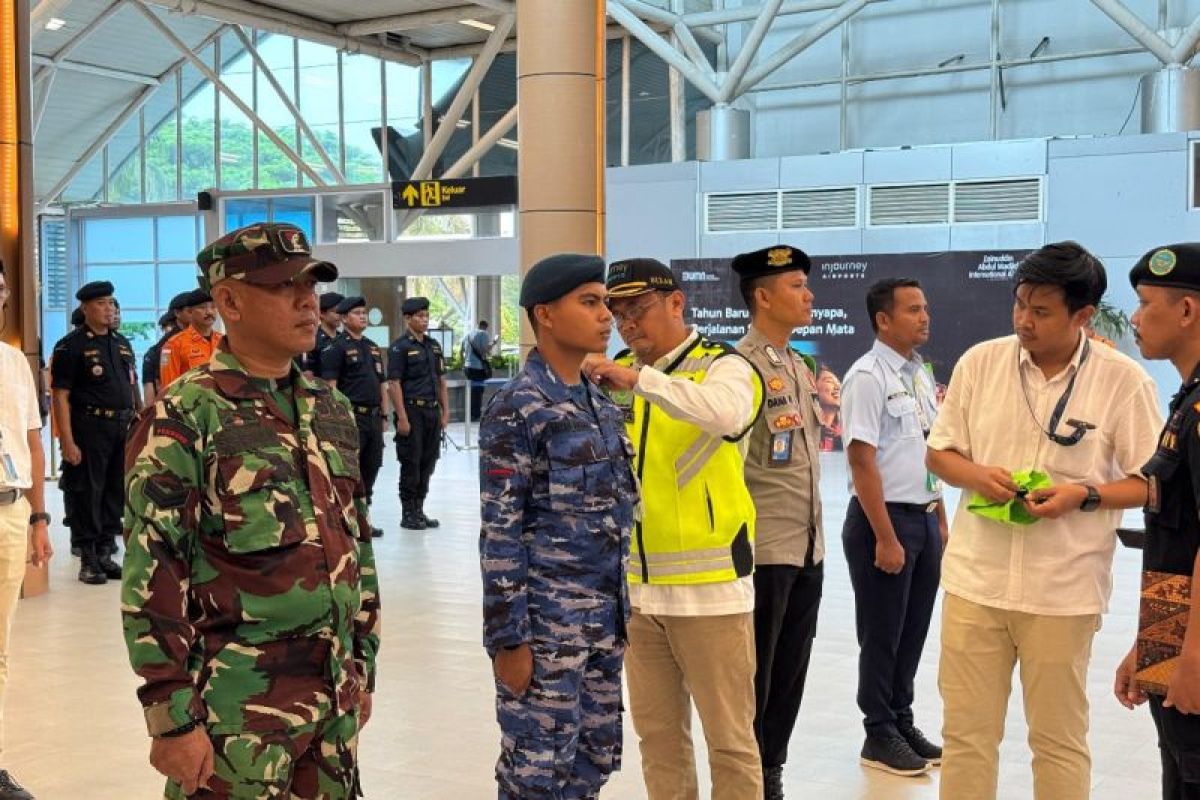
1092,501
40,516
185,728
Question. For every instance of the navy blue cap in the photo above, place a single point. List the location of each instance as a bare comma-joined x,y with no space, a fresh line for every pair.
414,304
197,297
350,303
178,302
557,275
330,300
94,291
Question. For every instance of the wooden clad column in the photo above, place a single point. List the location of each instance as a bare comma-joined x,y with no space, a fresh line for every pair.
16,179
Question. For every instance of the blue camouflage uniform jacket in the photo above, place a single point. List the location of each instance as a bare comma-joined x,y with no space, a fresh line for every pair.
557,500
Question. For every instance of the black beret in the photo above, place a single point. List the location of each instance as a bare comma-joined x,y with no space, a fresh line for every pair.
771,261
414,304
557,275
197,297
330,300
350,303
635,276
77,318
94,290
1176,266
179,302
166,319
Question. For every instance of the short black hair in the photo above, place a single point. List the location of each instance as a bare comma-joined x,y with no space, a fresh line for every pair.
483,323
882,296
532,318
749,285
1068,266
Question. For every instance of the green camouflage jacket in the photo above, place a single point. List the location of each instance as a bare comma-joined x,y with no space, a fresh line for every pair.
249,596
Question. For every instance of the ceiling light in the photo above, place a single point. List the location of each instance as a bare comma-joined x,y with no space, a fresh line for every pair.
474,23
54,24
511,144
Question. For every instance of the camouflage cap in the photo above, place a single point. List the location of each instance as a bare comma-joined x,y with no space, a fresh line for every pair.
262,254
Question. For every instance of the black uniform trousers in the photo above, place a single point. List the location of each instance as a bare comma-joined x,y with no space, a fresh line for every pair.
891,612
786,601
1179,746
370,445
418,454
96,485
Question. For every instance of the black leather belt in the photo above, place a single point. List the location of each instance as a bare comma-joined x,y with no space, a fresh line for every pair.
419,403
366,410
915,508
10,496
107,413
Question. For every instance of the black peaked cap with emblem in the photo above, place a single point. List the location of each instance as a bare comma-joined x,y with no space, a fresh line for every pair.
771,261
414,304
330,300
94,291
558,275
633,276
350,303
1176,266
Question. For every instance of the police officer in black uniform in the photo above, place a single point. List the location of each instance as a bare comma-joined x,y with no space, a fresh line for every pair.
172,322
94,380
353,364
1167,325
417,385
327,331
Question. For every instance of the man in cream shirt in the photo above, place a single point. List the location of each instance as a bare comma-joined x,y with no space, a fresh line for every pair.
1047,399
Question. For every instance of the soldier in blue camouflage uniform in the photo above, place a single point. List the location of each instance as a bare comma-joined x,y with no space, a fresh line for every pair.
557,497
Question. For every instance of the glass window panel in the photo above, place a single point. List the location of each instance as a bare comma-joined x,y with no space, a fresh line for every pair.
140,327
176,238
161,148
296,210
237,132
239,213
438,226
199,129
133,283
275,170
130,239
88,184
354,217
175,279
363,112
319,103
404,98
125,164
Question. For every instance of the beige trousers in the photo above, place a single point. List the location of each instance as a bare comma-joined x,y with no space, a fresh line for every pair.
675,661
14,546
980,647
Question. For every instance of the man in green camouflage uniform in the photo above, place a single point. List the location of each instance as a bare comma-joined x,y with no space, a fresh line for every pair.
249,597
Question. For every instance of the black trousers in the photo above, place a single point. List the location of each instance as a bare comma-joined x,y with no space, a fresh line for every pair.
1179,745
370,448
786,600
96,486
418,454
891,612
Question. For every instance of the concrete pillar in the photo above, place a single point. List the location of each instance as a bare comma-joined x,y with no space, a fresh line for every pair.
17,224
487,302
560,92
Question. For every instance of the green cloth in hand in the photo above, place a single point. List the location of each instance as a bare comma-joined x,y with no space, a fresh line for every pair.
1014,511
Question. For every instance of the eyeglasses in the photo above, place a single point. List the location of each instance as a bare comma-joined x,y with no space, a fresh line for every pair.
632,313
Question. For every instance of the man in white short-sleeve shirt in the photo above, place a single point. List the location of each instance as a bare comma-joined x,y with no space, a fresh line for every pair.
1049,399
24,524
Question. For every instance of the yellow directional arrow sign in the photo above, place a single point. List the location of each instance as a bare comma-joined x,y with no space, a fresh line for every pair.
461,193
410,195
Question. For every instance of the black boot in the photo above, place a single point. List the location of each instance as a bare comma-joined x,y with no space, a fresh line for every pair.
110,568
376,532
412,520
90,571
773,783
429,521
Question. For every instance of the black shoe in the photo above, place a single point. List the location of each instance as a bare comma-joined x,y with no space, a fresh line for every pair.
376,533
412,522
773,783
891,753
429,522
10,789
76,551
920,745
110,568
91,573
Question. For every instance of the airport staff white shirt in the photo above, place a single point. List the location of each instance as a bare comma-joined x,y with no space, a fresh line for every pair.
1053,567
19,414
889,402
722,402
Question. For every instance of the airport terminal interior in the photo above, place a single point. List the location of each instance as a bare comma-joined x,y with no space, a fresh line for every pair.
440,148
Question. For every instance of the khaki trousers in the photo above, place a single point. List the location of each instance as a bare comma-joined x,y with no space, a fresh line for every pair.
14,545
980,647
675,661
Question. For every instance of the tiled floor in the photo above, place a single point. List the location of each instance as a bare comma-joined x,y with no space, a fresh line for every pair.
74,729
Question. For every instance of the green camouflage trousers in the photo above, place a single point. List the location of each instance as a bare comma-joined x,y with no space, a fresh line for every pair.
312,763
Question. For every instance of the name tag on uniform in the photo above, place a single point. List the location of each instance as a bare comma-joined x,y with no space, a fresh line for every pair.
781,449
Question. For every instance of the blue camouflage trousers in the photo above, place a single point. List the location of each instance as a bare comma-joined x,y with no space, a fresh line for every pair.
561,739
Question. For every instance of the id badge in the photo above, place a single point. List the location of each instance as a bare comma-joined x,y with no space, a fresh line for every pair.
933,483
781,449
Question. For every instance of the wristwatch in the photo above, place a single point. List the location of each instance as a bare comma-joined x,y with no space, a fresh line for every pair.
1092,501
40,516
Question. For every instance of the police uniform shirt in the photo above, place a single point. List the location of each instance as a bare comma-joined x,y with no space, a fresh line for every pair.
152,360
783,468
97,369
311,361
417,365
357,366
890,403
1172,522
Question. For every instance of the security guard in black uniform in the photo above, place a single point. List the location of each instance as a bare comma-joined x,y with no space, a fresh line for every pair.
327,331
353,364
1167,326
95,386
417,385
172,322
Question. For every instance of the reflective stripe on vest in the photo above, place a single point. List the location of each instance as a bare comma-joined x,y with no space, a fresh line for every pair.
697,521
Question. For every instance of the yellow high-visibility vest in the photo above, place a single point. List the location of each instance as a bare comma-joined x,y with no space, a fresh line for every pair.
697,522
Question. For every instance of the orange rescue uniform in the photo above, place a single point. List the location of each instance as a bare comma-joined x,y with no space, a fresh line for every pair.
183,351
